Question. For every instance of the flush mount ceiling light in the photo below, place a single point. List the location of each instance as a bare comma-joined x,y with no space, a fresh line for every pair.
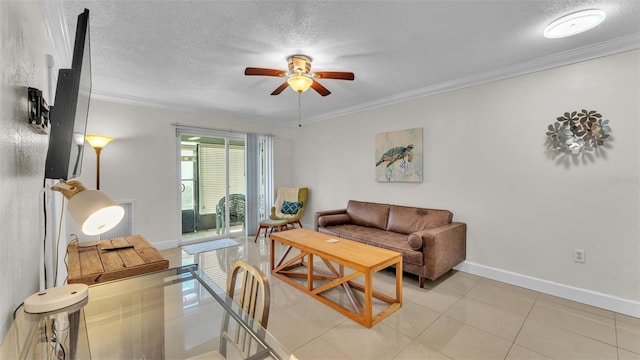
574,23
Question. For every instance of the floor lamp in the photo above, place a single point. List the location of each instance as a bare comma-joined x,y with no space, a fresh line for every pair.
98,142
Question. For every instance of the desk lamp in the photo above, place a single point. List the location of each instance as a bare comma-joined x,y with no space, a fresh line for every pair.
95,212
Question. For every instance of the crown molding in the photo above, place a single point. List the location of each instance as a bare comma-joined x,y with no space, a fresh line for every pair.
593,51
97,94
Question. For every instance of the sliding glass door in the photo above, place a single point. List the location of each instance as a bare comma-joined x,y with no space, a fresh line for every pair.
213,186
222,183
225,182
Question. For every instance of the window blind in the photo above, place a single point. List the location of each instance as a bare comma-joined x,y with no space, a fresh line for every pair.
213,169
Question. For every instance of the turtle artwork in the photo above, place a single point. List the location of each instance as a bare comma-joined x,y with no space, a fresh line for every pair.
396,154
399,156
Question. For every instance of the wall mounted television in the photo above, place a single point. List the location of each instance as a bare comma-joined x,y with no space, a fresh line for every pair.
70,109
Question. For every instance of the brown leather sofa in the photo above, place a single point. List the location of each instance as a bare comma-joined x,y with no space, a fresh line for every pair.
430,243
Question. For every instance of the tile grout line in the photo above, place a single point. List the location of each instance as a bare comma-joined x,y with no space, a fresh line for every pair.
440,315
588,336
522,326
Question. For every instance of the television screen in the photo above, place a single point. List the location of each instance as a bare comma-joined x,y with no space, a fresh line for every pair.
70,109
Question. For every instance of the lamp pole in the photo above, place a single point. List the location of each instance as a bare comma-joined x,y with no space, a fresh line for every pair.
98,150
98,142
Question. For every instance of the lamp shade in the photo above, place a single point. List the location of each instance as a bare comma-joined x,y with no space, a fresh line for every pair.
93,210
300,83
98,141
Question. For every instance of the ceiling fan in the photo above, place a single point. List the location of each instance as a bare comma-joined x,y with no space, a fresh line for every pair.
299,77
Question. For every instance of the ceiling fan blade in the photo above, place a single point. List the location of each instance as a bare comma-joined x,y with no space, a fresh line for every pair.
320,89
338,75
264,72
280,88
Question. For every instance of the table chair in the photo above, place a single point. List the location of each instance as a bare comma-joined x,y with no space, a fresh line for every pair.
254,296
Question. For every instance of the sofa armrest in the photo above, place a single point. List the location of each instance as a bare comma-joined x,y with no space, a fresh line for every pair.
319,214
444,247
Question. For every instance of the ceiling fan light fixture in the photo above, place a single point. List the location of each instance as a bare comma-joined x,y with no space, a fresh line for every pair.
574,23
300,83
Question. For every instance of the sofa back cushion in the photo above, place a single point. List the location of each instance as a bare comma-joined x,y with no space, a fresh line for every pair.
406,219
368,214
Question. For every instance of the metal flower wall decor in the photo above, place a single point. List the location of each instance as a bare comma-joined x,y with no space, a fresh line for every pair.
576,133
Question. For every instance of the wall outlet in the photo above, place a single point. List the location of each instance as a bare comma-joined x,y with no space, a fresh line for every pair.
578,255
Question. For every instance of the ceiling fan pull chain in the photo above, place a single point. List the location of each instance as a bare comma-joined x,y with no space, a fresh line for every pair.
299,109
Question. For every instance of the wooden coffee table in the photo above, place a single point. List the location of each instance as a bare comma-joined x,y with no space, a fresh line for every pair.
363,259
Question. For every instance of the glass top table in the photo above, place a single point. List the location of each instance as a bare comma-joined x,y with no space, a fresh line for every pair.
177,313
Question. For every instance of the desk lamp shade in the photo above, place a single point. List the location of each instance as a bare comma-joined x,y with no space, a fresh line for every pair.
93,210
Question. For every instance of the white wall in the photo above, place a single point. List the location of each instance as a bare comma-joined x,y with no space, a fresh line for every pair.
485,159
140,164
23,49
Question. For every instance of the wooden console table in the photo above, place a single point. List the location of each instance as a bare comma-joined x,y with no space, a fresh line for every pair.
97,264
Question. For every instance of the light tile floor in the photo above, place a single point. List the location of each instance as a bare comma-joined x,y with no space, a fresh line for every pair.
459,316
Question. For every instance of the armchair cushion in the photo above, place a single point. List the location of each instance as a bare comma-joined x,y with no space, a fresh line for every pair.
291,207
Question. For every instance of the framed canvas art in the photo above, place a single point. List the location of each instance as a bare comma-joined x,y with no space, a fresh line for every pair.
399,156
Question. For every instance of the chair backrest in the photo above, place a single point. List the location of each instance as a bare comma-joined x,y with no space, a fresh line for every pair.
291,195
254,293
250,289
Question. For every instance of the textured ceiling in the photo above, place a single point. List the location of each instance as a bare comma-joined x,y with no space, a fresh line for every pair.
191,55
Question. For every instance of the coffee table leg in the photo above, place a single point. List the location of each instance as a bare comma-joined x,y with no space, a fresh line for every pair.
271,254
285,251
399,282
368,298
310,274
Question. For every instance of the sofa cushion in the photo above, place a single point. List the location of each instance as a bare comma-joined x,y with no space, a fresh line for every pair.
415,241
334,219
406,220
380,238
368,214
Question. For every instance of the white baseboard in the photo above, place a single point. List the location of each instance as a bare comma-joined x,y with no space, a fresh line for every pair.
589,297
